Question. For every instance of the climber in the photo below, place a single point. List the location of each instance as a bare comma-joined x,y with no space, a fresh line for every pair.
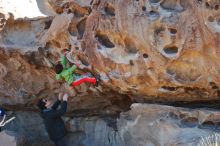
2,117
63,71
51,115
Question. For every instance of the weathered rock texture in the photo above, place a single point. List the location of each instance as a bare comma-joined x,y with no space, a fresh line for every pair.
10,138
153,50
144,50
166,49
143,125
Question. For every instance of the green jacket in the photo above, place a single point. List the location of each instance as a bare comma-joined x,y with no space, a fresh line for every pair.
68,72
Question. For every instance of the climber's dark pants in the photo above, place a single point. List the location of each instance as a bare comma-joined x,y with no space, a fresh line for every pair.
61,142
84,78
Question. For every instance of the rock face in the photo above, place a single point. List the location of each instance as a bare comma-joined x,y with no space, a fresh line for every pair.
9,138
144,50
148,125
164,125
143,125
159,49
151,50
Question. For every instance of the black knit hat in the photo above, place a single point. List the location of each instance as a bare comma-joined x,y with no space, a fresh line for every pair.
58,68
41,104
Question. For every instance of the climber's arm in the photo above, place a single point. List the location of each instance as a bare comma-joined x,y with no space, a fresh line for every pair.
56,104
57,113
73,68
58,76
63,60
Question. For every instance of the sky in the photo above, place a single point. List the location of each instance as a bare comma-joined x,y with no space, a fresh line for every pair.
26,8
